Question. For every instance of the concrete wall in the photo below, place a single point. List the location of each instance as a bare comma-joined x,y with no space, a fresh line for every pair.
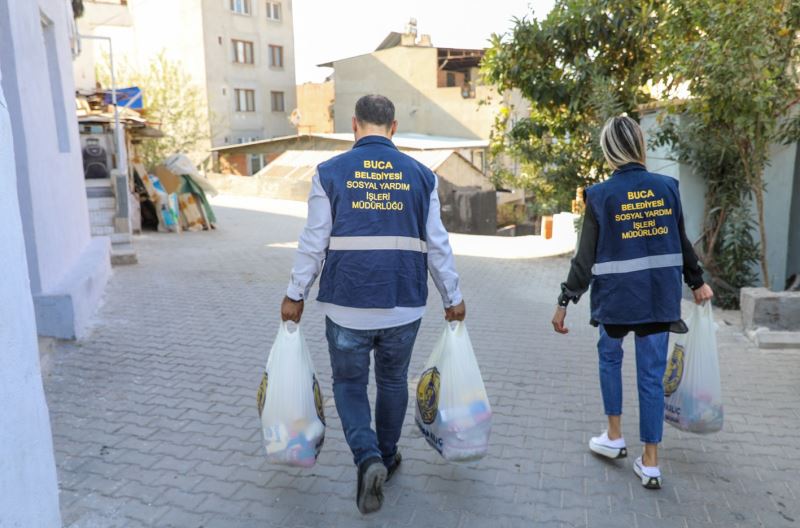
28,483
782,181
781,202
68,270
461,173
793,257
692,187
408,76
46,139
315,103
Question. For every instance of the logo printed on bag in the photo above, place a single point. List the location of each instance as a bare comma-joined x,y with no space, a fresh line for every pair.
261,395
674,372
428,395
318,400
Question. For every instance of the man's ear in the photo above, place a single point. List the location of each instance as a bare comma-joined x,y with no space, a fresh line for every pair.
393,129
355,125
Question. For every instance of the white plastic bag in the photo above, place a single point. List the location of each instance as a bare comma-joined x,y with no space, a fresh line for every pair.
453,411
693,396
290,402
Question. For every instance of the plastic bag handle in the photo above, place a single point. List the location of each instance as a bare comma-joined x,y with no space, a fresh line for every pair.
459,325
284,328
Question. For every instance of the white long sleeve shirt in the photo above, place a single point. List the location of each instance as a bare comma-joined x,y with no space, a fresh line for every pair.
312,248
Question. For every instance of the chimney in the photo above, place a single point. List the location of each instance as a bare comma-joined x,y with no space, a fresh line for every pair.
425,41
411,27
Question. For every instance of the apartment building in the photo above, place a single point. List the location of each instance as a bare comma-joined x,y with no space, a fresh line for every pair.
239,53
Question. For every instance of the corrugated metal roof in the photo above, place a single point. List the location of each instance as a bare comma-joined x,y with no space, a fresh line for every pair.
411,140
403,140
432,159
289,175
299,164
303,163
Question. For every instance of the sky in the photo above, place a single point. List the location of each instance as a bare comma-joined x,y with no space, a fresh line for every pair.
326,30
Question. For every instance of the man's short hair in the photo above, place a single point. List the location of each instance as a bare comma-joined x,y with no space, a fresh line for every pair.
376,110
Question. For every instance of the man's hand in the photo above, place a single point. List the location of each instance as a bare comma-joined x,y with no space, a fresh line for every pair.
456,313
291,310
558,320
702,294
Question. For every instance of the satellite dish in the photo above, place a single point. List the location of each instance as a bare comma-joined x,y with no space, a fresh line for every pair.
295,117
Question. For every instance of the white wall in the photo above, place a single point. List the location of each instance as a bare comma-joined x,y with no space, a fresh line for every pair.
692,187
782,180
53,201
108,20
68,269
28,483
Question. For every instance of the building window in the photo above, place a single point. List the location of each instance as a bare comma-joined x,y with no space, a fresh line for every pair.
242,51
245,100
451,79
256,162
241,7
276,56
278,102
273,10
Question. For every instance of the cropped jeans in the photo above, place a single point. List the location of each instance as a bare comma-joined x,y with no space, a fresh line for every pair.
350,360
651,361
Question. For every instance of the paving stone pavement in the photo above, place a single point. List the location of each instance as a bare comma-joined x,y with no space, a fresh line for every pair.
155,421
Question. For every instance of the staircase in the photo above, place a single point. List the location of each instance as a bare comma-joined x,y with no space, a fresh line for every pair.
102,221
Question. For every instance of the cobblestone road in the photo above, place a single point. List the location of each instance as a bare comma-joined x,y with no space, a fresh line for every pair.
155,422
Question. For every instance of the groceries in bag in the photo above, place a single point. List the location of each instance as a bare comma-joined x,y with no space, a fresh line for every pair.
453,411
290,403
692,389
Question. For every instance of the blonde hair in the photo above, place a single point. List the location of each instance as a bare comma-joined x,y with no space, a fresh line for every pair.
622,142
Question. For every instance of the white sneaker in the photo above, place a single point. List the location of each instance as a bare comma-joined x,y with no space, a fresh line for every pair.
608,448
651,476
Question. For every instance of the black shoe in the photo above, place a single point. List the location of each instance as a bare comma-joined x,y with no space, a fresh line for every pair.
371,476
392,467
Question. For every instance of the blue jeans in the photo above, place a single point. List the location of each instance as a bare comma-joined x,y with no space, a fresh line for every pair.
651,361
350,358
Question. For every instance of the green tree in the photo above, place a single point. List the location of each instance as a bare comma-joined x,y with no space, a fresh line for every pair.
738,60
585,62
171,100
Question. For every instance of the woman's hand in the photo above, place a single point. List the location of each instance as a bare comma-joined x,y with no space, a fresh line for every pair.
558,320
702,294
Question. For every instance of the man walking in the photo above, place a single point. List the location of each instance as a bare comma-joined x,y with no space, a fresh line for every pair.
373,219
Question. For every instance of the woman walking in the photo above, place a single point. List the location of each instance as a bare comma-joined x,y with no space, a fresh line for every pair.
632,251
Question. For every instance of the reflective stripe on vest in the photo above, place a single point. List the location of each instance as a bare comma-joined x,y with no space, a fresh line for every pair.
638,264
370,243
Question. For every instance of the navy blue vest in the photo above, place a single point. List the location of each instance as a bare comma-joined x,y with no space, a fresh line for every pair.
377,256
638,262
